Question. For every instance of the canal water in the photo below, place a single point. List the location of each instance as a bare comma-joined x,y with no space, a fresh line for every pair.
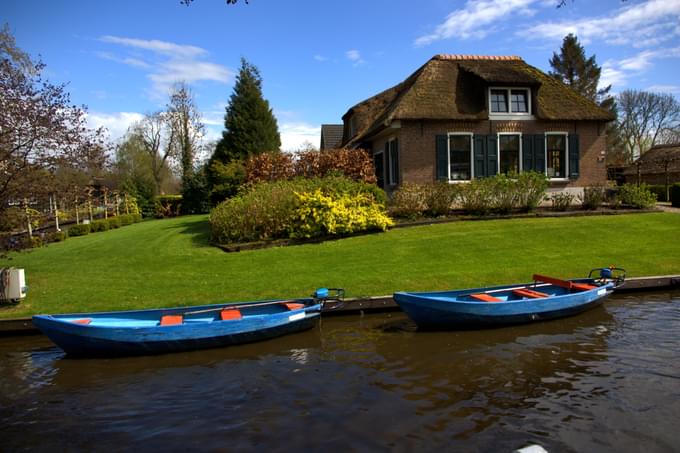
606,380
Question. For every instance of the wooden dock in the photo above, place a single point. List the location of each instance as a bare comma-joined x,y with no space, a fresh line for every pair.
361,305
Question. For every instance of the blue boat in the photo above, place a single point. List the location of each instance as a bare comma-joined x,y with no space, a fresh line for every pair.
160,331
545,298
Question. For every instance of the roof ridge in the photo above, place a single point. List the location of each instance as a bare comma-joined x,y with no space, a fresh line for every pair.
444,56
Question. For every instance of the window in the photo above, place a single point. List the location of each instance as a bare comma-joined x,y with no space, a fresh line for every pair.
460,157
512,101
392,151
378,163
556,155
509,153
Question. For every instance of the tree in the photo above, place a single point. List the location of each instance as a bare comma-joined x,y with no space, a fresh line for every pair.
187,129
133,171
647,119
158,140
250,125
40,131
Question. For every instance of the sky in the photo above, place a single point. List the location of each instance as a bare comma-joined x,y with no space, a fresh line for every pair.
317,58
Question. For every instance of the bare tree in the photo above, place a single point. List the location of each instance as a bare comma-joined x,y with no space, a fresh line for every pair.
187,129
158,141
646,119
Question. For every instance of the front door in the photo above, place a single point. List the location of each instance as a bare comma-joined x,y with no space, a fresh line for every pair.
379,164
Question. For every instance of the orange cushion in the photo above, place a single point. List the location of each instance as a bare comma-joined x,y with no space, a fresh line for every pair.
85,321
230,313
294,306
171,320
485,297
582,286
526,292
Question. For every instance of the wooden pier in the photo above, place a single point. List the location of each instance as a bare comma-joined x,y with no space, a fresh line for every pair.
361,305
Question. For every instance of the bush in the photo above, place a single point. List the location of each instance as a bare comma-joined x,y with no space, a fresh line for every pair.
166,206
531,189
224,180
477,196
440,198
195,193
136,218
592,197
271,166
79,230
659,191
126,219
99,225
504,192
409,201
639,197
272,210
56,236
561,201
114,222
675,195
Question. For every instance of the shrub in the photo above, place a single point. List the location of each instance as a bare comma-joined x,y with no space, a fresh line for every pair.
195,193
561,200
79,230
440,198
409,201
592,197
114,222
56,236
504,193
166,206
659,191
477,196
224,180
126,219
639,197
99,225
531,189
269,210
675,195
271,166
136,218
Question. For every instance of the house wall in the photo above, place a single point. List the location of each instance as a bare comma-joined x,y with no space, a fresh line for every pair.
417,145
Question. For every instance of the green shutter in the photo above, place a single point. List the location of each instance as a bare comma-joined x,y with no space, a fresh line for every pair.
395,156
574,152
442,160
539,153
491,155
528,162
479,153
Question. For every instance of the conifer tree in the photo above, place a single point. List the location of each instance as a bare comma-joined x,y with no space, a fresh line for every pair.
250,126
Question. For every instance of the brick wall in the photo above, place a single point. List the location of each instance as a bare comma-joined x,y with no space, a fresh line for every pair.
417,145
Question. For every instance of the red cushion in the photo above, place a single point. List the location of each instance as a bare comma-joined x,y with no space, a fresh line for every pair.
526,292
294,306
230,314
171,320
85,321
485,297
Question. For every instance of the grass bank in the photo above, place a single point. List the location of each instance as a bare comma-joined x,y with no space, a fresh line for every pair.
164,263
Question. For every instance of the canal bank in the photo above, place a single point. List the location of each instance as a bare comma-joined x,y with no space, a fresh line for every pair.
375,304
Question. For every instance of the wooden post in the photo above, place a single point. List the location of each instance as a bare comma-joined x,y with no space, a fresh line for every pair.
76,206
56,213
106,203
28,219
665,170
127,207
117,204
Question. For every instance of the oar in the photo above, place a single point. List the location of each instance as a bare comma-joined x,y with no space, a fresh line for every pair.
506,289
233,306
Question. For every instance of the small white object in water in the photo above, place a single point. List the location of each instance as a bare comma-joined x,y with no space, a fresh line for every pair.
531,449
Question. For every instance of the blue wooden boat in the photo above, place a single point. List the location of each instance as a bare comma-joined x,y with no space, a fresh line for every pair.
544,298
181,329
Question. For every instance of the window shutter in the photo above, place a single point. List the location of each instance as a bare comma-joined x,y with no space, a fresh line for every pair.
491,155
442,160
539,153
528,161
574,151
395,154
479,153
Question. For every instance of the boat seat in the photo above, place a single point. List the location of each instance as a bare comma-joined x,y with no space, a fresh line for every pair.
485,297
529,293
230,314
85,321
563,283
583,286
172,320
294,305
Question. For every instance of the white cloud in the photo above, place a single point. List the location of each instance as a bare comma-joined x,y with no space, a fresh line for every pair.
671,89
476,19
355,57
295,135
168,63
616,73
117,123
639,25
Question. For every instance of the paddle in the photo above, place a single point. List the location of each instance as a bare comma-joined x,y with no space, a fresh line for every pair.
235,306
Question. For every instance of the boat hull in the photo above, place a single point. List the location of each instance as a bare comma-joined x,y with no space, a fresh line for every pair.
443,310
124,338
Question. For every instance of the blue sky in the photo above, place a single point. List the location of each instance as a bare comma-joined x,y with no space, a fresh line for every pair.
319,57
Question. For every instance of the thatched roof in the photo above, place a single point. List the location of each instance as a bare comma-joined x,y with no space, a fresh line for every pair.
454,87
331,136
654,161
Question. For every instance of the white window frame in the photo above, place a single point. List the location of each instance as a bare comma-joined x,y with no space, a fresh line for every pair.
448,157
509,114
566,154
498,138
390,161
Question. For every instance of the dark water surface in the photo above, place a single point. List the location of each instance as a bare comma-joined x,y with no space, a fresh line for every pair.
606,380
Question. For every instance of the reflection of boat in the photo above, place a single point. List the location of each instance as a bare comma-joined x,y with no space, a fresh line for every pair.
545,298
179,329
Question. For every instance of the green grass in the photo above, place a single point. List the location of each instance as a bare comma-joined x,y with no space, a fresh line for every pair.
165,263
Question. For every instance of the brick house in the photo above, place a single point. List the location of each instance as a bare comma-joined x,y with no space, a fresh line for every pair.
460,117
659,165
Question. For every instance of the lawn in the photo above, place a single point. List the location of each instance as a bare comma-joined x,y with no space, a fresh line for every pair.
163,263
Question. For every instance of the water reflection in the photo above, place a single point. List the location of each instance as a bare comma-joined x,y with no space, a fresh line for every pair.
604,380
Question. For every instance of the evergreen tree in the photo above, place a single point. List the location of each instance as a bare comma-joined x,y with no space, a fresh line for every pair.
250,126
580,73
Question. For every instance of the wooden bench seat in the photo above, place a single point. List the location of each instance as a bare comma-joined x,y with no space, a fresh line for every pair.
563,283
485,297
530,293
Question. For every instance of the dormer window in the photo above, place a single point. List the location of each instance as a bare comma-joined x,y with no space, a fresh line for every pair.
509,101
